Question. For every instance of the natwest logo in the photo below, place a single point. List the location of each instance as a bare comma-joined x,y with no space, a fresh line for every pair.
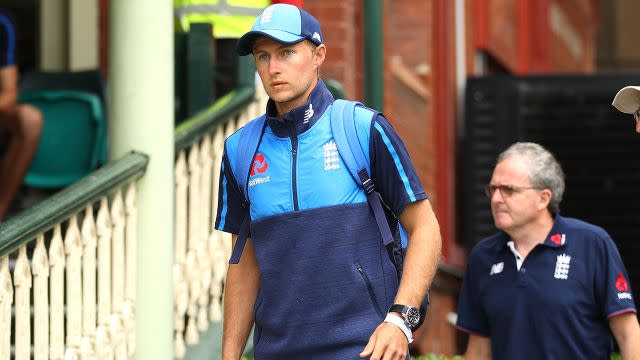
259,165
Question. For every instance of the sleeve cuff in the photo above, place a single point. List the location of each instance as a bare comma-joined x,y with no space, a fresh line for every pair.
233,230
406,201
620,312
470,332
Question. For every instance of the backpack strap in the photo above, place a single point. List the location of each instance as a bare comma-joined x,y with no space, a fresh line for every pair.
250,137
344,133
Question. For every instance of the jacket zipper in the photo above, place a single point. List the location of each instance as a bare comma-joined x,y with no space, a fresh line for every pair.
294,153
369,289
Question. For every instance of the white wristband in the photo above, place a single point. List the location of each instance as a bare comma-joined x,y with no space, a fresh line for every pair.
397,321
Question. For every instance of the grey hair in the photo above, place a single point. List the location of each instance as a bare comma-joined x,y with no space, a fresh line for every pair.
545,171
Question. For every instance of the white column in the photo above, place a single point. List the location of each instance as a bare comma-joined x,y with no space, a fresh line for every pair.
141,118
53,35
461,62
83,34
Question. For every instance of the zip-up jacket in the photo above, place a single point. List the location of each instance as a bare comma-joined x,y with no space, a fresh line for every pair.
326,279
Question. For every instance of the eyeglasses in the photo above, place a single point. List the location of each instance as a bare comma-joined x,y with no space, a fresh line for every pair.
506,190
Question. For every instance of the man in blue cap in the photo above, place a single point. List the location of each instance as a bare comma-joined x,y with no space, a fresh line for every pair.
316,277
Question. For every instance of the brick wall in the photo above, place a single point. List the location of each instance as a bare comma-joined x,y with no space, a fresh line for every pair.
408,49
546,36
337,18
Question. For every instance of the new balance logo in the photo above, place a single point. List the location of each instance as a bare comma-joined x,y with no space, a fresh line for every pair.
308,114
497,268
624,296
563,263
316,36
266,16
331,156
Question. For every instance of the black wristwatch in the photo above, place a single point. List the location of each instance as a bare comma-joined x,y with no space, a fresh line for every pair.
410,315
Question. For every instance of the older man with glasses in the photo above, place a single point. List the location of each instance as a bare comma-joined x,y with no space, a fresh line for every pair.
627,100
544,286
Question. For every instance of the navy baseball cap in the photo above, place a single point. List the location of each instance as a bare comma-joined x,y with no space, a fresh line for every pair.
284,23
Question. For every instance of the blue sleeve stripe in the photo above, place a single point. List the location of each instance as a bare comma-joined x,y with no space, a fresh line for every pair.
223,213
11,39
396,160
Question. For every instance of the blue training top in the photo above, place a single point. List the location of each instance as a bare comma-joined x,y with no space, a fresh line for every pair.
326,278
558,304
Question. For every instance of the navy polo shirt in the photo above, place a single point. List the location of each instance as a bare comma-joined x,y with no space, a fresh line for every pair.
557,305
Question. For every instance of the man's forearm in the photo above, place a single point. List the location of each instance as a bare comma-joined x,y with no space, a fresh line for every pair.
630,346
479,348
631,351
423,252
626,331
240,292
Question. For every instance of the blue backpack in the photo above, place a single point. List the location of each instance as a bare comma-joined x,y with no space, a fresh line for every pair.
344,133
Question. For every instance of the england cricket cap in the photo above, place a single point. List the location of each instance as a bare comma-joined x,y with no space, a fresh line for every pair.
284,23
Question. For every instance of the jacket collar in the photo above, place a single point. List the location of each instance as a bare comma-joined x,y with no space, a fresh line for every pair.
302,118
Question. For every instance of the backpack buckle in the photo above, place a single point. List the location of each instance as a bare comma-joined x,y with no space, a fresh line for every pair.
368,186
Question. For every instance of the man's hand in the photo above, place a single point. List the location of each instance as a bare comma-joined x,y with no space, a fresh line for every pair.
388,342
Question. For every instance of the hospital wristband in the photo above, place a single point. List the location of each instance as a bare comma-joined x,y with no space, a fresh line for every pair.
397,321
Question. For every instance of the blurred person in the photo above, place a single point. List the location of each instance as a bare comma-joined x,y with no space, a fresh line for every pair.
20,125
627,100
545,286
316,276
229,19
297,3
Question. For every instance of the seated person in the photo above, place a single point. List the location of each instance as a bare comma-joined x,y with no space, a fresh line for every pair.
20,125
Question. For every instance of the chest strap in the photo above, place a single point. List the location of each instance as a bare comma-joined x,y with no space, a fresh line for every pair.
343,128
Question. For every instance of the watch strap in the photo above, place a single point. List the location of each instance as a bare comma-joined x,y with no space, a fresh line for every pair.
403,310
399,308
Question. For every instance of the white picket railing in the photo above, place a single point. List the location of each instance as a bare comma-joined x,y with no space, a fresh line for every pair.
81,267
201,253
69,257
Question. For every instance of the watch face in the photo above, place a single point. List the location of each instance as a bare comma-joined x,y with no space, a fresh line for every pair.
413,316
